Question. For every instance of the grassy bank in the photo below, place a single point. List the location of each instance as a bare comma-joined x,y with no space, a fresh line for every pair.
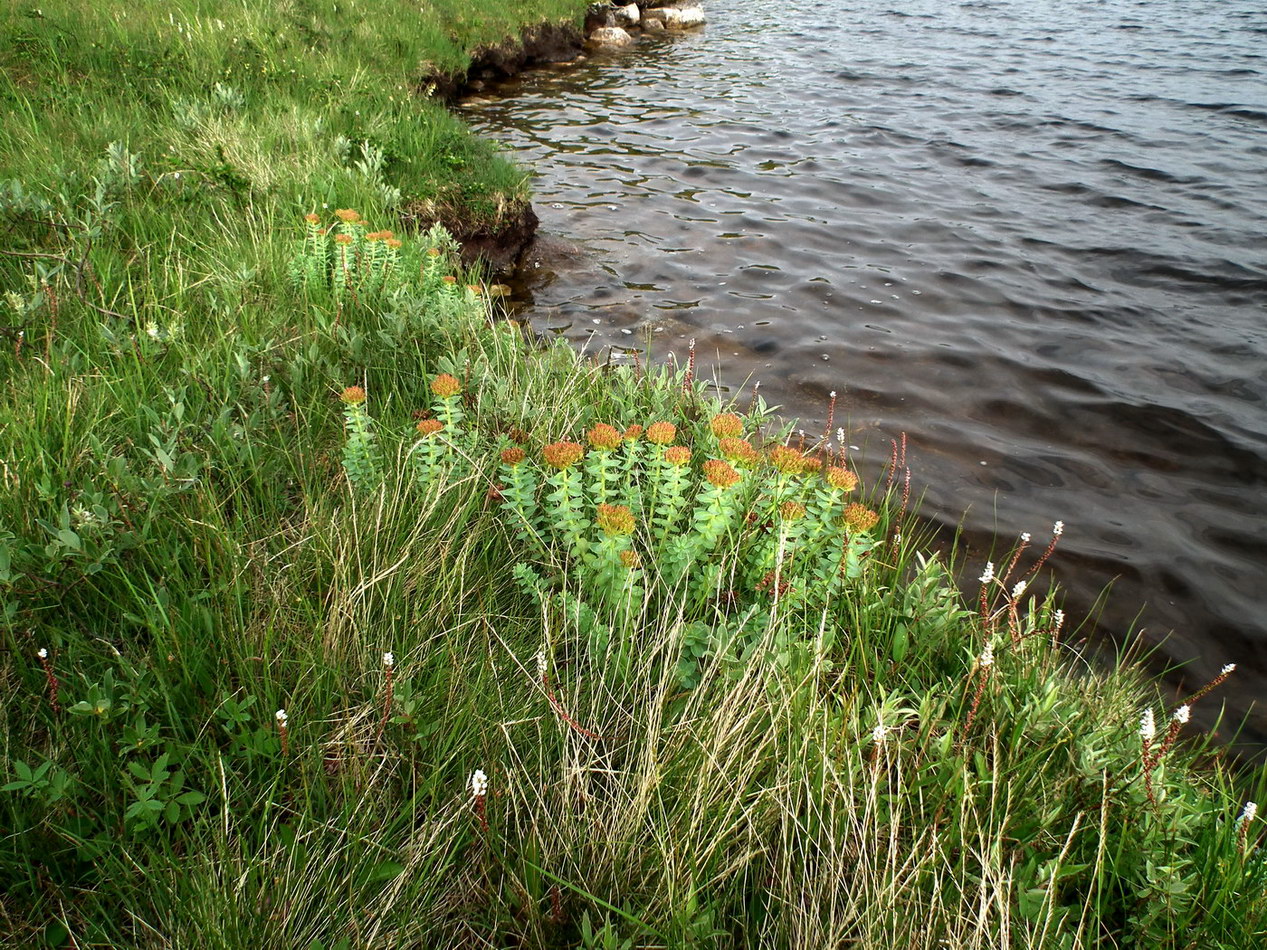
337,615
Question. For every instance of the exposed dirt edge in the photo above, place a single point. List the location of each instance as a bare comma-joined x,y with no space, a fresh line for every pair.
502,243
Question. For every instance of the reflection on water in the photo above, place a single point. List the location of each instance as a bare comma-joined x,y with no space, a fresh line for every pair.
1027,233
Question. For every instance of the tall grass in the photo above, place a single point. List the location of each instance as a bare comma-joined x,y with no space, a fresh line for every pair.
797,733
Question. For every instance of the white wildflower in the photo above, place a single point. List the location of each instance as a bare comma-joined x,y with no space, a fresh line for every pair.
840,436
389,660
1059,618
1227,669
1058,528
1019,589
1147,726
988,574
1247,815
541,663
879,733
987,657
281,717
1025,537
479,783
1182,715
42,654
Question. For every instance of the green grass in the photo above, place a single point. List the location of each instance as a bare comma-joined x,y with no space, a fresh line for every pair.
192,532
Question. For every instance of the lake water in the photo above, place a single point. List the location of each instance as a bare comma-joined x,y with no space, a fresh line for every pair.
1031,235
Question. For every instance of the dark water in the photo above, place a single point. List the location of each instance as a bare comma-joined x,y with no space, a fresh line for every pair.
1031,234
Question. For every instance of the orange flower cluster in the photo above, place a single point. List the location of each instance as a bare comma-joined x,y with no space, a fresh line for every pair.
787,460
631,560
633,433
348,216
791,511
429,427
513,455
562,454
859,518
379,236
312,218
343,239
604,438
841,479
353,395
433,252
727,425
445,385
720,474
739,450
449,279
615,520
678,456
661,433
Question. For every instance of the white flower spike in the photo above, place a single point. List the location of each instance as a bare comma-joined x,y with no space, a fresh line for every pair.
1248,814
1147,726
1227,669
389,661
988,574
281,717
1182,715
479,783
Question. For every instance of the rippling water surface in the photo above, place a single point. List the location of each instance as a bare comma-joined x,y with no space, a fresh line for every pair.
1032,235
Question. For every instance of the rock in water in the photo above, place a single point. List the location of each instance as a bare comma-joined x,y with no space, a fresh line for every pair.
678,18
627,16
610,37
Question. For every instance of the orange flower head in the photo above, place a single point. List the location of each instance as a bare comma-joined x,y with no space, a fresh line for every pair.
787,460
603,437
720,474
633,433
859,518
429,427
386,235
374,236
841,479
791,511
513,455
312,218
343,239
348,216
631,560
739,450
433,252
446,385
727,425
661,433
615,520
562,455
475,289
677,456
393,242
353,395
449,279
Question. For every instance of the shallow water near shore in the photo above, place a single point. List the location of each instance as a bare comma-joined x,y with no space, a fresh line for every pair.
1027,234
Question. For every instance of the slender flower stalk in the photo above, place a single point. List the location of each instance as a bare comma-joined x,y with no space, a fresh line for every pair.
985,663
1218,681
479,798
1242,824
283,731
389,673
50,679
